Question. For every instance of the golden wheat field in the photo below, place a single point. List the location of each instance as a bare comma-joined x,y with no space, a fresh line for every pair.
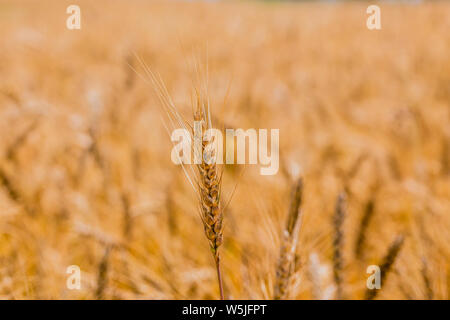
86,177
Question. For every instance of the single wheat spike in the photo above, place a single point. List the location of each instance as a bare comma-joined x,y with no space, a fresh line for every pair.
369,210
102,279
209,185
207,178
368,214
294,208
386,265
338,243
285,263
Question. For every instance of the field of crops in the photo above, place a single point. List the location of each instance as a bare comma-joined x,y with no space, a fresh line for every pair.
87,180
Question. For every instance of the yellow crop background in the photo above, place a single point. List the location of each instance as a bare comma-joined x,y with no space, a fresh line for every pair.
85,171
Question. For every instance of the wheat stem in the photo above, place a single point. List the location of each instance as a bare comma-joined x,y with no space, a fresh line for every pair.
219,277
338,242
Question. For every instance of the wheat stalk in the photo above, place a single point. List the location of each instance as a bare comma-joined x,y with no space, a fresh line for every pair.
338,242
369,210
288,246
207,180
102,279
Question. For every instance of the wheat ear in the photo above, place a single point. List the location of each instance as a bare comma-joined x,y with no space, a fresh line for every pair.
207,180
288,244
102,279
209,187
369,210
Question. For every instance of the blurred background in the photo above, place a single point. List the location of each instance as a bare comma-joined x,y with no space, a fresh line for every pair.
85,171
